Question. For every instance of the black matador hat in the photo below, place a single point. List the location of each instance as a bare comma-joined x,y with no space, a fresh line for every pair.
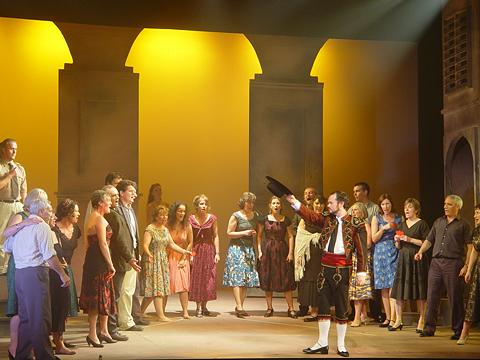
277,188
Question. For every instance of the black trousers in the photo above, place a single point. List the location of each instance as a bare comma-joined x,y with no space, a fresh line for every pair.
336,281
117,284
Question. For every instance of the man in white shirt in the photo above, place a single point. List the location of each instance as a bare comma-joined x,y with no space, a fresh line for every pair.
339,237
32,249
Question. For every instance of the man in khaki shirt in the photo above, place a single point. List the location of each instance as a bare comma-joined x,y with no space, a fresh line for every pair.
13,189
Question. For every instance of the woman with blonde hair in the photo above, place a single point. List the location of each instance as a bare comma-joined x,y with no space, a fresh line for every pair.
360,294
207,254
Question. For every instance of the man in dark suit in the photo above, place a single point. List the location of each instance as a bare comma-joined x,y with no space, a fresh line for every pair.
123,258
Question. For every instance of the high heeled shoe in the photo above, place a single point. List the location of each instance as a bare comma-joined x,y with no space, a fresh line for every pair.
268,313
93,343
106,338
384,325
395,328
292,314
462,341
238,313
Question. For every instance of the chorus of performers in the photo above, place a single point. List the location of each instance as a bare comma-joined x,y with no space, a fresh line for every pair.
359,256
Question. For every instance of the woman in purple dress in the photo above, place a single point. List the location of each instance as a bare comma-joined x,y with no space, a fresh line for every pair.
275,256
206,249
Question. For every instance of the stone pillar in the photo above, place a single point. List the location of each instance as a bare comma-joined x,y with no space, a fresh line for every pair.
286,116
98,114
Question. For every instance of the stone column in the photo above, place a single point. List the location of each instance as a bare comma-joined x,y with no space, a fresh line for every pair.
286,116
98,114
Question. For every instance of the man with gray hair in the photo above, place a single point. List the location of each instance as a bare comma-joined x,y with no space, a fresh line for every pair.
13,189
449,235
32,248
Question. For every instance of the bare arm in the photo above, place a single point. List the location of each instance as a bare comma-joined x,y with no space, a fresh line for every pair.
425,246
216,242
175,247
291,243
368,228
259,240
377,231
471,264
470,250
101,229
147,239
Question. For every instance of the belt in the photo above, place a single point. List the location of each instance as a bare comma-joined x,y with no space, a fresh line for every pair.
9,201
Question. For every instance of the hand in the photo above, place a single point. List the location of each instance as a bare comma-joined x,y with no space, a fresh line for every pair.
468,276
404,238
290,198
12,172
65,280
181,264
134,264
187,252
397,238
64,264
387,226
463,270
217,258
250,232
289,257
418,256
111,272
259,255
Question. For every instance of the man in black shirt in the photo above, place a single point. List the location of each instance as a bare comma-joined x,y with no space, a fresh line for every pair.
449,235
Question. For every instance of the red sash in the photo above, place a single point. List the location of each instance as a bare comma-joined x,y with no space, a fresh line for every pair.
335,260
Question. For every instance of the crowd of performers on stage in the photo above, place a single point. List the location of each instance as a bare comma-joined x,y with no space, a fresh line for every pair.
354,258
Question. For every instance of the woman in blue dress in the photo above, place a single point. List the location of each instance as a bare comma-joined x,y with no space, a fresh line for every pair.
240,270
385,254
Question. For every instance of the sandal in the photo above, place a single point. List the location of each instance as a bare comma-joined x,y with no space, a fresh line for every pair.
199,313
269,313
238,313
205,312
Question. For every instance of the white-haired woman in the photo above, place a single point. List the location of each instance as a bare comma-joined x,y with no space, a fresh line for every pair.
12,303
240,272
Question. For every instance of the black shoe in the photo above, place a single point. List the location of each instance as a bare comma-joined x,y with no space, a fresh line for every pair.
418,331
69,345
303,311
321,350
119,337
93,343
142,322
454,337
343,353
395,328
310,318
134,328
425,334
107,339
385,325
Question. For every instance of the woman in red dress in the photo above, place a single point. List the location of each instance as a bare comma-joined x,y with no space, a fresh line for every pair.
97,297
206,249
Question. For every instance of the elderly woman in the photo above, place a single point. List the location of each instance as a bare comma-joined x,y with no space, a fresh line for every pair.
97,298
360,294
275,256
385,253
12,303
472,277
411,276
240,272
207,255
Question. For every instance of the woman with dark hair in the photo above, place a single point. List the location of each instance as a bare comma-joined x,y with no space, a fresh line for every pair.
385,253
411,276
155,268
154,199
240,272
64,300
275,257
308,252
472,278
207,255
181,233
97,298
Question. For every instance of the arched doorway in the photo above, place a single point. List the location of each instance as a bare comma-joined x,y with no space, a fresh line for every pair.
460,176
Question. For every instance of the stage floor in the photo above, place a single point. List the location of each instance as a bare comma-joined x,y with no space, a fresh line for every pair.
225,336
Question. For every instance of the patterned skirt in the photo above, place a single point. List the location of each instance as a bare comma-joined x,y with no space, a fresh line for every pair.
473,295
240,267
275,273
360,292
203,273
97,293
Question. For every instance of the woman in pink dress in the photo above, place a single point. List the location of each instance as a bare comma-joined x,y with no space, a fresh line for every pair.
206,250
181,233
